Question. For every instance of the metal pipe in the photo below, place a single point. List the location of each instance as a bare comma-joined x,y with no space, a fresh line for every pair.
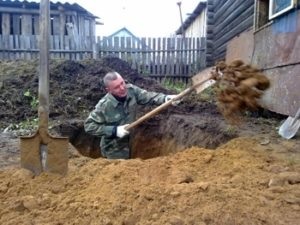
181,20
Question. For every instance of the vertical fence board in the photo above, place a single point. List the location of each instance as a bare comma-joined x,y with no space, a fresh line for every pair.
109,47
56,25
122,48
164,56
129,52
17,46
67,47
5,23
56,46
26,21
168,69
178,56
143,53
153,62
35,46
36,24
16,24
10,46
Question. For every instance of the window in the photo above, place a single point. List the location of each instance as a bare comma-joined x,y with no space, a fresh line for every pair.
278,7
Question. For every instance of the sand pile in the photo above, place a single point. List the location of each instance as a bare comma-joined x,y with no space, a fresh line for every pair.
239,183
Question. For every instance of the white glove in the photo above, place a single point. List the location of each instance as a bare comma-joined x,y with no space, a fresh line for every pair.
170,97
121,131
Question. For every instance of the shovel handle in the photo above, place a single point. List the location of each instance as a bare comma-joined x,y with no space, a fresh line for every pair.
164,105
43,110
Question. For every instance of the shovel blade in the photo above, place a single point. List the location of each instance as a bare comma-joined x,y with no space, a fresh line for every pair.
289,128
30,153
57,159
36,158
203,76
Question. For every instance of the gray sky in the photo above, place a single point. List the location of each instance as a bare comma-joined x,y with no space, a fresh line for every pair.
149,18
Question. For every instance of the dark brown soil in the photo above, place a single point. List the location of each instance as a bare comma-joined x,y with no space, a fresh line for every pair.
75,88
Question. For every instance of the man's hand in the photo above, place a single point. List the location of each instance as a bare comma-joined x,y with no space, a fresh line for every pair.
170,97
121,131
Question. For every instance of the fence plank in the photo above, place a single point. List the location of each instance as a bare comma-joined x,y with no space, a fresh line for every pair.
16,24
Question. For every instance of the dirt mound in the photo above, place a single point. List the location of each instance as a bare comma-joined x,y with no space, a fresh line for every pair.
239,183
75,88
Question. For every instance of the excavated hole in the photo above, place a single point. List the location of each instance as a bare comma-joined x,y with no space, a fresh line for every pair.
159,136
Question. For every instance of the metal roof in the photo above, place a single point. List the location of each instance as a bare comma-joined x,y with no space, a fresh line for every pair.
197,11
53,6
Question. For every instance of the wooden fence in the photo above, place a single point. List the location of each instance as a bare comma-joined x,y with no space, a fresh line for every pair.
175,58
157,57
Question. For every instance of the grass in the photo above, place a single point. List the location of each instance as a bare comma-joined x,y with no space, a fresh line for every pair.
177,86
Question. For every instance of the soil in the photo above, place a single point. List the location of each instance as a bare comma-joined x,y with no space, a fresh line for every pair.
188,166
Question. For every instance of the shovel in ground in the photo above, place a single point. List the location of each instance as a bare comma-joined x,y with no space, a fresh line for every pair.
290,126
42,152
201,81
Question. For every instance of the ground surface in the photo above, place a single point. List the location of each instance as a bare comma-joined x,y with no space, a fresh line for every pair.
189,165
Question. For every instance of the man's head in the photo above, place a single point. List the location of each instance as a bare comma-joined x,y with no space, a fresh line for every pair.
115,84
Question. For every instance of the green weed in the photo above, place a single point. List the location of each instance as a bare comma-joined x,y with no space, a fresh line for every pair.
34,102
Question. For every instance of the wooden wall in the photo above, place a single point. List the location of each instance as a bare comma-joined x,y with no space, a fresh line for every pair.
226,19
70,30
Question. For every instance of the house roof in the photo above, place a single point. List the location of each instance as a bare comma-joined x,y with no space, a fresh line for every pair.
197,11
53,6
125,30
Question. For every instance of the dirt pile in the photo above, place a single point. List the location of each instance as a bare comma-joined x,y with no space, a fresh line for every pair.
239,183
75,88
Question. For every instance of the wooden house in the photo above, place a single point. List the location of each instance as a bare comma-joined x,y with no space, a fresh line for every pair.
195,24
276,47
72,27
264,33
121,37
123,32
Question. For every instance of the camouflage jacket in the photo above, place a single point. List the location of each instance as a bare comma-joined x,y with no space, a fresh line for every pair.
110,113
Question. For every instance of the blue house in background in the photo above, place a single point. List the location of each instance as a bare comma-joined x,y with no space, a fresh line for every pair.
124,39
125,34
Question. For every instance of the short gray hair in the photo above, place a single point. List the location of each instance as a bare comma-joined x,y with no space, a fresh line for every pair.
110,76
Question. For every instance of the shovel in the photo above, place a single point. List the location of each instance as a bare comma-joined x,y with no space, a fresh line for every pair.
201,81
42,152
290,126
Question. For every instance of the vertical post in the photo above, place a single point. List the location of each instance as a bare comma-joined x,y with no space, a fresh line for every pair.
182,52
181,19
